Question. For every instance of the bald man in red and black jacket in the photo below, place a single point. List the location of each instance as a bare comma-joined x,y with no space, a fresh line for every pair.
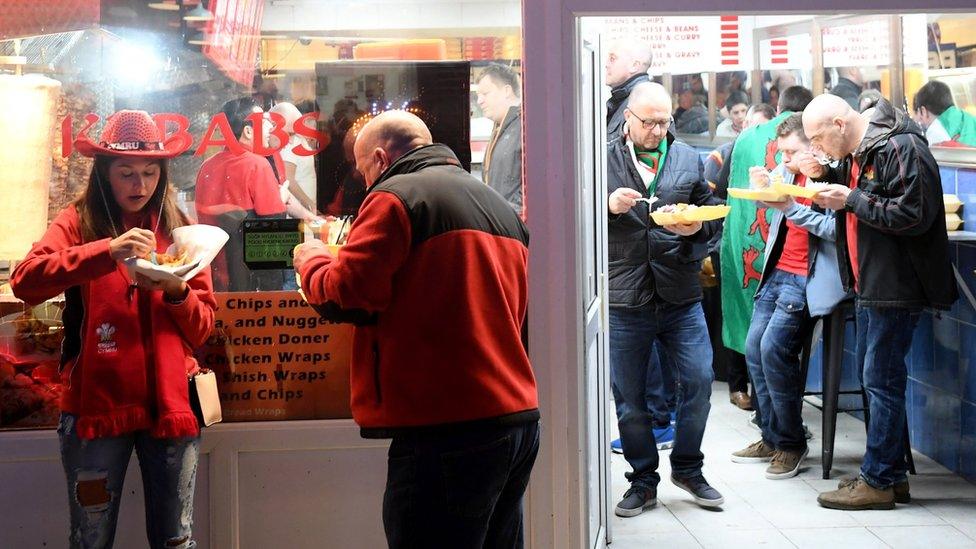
434,277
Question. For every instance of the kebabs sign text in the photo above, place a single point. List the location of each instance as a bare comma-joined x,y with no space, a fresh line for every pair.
177,137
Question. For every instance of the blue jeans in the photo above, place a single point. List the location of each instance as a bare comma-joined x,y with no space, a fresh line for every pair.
682,331
95,470
884,337
661,392
461,489
780,324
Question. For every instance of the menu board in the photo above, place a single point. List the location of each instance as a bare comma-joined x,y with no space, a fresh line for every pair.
276,358
857,45
684,45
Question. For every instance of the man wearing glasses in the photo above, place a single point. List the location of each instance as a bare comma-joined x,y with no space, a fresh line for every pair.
655,293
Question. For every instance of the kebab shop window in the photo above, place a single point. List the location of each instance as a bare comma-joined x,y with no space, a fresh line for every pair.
262,177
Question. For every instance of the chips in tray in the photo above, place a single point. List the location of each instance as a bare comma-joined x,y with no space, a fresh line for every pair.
178,258
766,195
809,191
672,214
193,248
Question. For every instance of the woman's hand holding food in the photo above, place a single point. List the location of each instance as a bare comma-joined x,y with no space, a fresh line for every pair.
174,290
133,243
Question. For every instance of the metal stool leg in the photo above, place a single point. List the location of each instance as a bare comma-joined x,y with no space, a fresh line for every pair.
908,449
833,345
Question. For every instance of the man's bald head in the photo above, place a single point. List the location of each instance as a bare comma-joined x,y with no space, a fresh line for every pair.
648,115
386,138
832,125
625,58
649,94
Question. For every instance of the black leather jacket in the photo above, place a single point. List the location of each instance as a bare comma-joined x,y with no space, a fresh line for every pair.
902,245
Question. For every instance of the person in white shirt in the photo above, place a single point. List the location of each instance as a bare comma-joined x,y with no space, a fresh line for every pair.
737,105
299,170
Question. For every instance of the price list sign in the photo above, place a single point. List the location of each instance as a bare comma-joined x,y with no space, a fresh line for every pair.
276,359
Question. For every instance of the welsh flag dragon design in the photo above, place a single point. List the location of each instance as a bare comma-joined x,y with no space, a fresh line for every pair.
746,229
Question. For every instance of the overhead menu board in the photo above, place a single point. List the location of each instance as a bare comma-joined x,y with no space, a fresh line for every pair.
684,45
857,45
787,52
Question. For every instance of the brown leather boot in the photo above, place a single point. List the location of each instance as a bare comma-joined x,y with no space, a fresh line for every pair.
741,400
857,495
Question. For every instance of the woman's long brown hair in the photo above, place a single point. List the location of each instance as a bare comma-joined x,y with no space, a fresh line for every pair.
96,223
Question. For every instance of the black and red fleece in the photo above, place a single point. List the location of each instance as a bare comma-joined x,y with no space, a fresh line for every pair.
434,277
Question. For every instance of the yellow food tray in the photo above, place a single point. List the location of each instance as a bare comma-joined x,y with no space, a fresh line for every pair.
809,191
701,213
767,195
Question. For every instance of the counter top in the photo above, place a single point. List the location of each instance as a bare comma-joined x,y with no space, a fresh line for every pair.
962,236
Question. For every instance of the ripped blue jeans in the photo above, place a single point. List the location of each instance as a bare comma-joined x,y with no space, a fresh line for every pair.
95,470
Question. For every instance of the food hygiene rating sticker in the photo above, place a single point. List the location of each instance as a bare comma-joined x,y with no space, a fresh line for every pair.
270,243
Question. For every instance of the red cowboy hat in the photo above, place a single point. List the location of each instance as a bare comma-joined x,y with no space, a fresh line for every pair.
129,133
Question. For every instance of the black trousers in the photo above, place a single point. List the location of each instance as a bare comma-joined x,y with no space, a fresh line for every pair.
729,365
461,489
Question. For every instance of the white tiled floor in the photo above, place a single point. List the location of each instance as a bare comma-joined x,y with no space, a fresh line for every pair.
784,513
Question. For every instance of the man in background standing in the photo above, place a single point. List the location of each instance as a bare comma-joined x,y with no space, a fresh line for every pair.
628,61
299,170
850,84
944,123
499,96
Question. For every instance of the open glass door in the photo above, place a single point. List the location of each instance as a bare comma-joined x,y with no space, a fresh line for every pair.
593,222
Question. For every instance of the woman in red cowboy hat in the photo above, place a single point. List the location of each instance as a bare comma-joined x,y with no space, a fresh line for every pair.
128,347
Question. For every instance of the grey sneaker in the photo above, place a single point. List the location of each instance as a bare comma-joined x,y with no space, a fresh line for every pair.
785,464
757,452
635,500
698,487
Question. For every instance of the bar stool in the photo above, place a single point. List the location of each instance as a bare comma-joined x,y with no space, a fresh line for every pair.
832,362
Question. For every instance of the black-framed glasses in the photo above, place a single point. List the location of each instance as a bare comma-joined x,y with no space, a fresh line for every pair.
651,124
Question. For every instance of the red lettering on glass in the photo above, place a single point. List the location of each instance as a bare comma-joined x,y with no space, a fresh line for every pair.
229,139
181,140
321,139
67,142
177,137
277,130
